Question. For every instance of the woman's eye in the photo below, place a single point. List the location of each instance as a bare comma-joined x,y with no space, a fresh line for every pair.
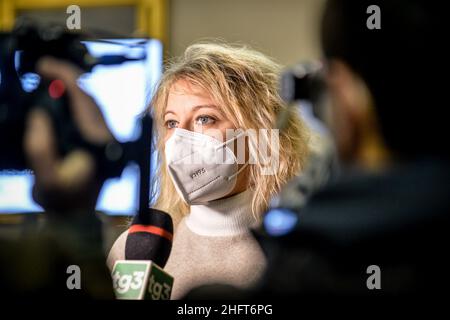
205,120
170,124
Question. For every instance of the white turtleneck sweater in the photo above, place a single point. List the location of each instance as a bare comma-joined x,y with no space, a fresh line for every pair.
212,244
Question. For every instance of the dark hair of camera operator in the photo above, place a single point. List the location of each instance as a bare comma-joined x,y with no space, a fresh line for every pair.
390,206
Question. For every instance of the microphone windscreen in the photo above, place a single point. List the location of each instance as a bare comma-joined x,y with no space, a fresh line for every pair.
150,237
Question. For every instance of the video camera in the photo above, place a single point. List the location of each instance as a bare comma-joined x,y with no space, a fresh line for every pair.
20,51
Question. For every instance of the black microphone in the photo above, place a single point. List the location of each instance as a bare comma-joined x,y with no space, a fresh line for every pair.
147,250
150,237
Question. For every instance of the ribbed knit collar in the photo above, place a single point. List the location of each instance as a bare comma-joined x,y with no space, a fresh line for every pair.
225,217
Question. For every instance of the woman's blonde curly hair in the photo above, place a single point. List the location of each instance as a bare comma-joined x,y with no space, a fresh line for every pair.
244,83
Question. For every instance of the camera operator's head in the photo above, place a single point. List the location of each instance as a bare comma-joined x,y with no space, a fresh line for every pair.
387,100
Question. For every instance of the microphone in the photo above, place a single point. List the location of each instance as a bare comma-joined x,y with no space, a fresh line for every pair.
150,237
147,250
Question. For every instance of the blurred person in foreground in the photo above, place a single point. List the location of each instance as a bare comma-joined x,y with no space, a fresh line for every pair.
39,265
390,207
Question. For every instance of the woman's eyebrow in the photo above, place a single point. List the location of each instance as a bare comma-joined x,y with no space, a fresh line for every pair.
169,111
210,106
195,108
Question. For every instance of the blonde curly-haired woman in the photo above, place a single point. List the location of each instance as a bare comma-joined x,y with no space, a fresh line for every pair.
210,91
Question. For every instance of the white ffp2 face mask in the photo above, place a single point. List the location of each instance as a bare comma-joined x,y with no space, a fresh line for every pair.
201,167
